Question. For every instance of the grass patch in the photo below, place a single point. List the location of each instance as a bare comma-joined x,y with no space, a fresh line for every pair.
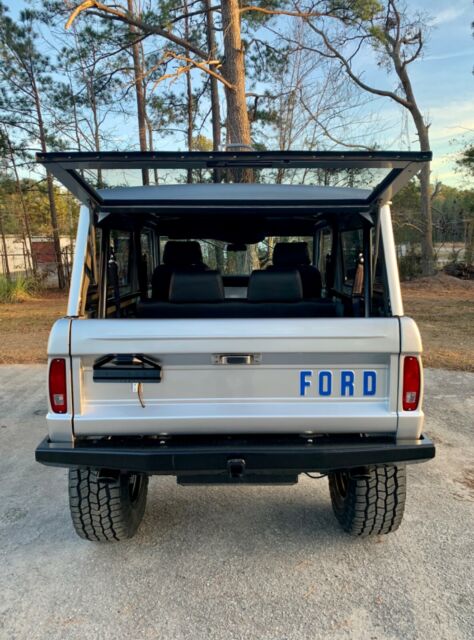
18,289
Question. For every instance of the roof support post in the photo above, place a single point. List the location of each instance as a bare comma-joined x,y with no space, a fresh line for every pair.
391,265
367,239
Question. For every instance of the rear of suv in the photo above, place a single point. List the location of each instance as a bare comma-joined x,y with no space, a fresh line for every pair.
232,333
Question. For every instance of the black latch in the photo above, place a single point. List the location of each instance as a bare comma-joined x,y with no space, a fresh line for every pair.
134,367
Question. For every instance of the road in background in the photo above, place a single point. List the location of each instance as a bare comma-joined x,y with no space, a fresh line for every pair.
237,562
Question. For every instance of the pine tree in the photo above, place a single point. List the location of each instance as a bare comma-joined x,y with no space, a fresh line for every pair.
26,81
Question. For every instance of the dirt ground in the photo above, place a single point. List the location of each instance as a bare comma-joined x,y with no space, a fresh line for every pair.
25,327
442,305
235,562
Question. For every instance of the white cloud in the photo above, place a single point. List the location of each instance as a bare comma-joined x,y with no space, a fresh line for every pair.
446,15
451,119
446,56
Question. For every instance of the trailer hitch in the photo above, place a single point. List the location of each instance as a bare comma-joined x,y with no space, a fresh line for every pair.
236,467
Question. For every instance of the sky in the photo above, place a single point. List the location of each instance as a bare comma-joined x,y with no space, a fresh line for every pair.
443,82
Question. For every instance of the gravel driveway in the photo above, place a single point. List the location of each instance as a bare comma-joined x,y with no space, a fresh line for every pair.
237,562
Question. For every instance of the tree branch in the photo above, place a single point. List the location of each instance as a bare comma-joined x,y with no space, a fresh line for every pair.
345,63
136,22
282,12
191,63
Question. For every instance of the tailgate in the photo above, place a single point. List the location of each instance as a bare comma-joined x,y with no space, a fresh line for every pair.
290,375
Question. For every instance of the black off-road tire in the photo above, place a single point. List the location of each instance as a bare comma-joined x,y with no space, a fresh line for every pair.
369,505
106,511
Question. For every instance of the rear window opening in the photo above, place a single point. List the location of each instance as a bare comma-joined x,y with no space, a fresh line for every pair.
327,205
141,270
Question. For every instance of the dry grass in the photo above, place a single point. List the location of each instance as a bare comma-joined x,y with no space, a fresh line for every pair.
442,306
25,326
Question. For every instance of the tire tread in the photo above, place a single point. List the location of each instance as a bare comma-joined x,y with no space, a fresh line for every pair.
373,504
103,511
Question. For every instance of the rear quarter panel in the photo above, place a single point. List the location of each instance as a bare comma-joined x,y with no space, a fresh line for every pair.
410,423
60,426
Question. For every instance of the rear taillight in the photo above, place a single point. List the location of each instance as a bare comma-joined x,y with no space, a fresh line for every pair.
57,385
411,383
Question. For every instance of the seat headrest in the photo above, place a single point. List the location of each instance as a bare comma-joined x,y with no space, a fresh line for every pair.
290,254
182,254
275,286
195,286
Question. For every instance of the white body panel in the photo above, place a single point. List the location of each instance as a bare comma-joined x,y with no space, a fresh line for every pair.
77,276
198,396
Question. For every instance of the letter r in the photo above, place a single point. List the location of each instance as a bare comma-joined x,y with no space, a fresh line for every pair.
347,383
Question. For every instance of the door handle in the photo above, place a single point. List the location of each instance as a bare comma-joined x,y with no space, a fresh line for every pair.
237,358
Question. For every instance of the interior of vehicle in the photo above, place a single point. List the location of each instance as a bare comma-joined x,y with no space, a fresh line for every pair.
214,268
174,234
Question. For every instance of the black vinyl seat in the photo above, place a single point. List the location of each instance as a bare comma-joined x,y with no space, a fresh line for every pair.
271,294
275,286
177,256
295,255
194,287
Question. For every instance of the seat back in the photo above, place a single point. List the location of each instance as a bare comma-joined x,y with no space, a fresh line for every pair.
195,287
275,286
177,256
295,255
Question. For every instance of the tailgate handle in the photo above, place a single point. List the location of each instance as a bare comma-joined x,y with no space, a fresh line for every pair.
129,367
237,358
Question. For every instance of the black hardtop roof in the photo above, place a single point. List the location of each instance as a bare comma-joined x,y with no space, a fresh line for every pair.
69,168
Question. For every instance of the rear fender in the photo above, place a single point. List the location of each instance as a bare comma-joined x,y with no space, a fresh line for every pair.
410,423
60,426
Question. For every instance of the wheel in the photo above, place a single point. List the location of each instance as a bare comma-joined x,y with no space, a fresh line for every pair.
370,504
106,510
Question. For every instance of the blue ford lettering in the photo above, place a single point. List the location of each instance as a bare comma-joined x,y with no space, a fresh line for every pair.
347,379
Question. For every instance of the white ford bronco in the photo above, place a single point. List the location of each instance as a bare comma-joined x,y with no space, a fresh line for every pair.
234,318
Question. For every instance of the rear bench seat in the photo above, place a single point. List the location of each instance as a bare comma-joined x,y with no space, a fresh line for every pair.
270,294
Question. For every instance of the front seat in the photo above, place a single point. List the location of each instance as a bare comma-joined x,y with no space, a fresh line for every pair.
295,255
177,256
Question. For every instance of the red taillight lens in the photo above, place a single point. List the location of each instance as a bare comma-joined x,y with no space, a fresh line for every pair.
57,385
411,383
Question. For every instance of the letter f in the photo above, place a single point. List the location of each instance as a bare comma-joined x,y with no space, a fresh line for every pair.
303,382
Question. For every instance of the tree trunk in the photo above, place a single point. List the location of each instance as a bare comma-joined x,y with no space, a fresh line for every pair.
427,252
469,242
4,243
238,124
189,94
52,202
95,117
215,107
151,146
138,77
24,210
55,229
